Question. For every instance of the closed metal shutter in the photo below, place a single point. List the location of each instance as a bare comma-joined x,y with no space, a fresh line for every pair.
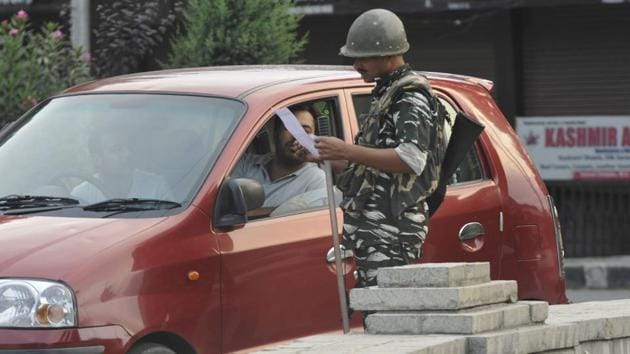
576,60
439,43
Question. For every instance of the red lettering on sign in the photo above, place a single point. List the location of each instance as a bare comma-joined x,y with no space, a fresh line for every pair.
593,136
625,141
570,136
581,138
549,137
612,137
560,137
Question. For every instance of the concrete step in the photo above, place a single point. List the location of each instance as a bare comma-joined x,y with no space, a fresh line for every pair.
530,339
469,321
443,275
422,299
538,310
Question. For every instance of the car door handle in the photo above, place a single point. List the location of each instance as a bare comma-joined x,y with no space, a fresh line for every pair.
330,255
470,231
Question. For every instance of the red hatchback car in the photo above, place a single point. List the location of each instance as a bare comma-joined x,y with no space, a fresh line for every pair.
123,231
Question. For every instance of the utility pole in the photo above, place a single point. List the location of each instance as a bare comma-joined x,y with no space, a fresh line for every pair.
80,18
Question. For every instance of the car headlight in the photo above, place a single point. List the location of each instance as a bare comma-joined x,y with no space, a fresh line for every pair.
26,303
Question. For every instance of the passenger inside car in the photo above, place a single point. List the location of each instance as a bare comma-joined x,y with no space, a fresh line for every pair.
283,173
116,176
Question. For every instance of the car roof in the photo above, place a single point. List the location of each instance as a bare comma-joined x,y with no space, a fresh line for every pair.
238,81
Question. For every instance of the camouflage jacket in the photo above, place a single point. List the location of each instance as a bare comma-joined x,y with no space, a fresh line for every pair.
403,110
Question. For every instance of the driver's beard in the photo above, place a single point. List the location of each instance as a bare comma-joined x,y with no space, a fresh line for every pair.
286,158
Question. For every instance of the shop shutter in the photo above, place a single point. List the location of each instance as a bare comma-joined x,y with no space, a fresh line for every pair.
457,43
576,60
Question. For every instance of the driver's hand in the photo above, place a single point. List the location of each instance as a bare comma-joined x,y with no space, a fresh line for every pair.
298,151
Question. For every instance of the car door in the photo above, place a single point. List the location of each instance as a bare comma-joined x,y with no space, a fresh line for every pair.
277,283
467,226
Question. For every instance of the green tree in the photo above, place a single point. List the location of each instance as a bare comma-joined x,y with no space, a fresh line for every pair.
35,65
130,30
230,32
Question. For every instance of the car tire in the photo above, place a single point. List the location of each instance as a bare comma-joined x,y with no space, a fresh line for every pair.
151,348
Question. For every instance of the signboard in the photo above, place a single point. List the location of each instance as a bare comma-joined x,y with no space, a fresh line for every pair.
326,9
15,2
574,148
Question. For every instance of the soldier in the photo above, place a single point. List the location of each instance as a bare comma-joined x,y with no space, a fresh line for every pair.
394,164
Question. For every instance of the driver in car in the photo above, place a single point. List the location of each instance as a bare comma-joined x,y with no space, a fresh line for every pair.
285,174
115,176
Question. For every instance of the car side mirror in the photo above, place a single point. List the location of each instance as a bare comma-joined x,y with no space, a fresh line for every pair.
236,197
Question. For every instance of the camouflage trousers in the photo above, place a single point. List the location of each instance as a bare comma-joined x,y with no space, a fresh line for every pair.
379,240
370,258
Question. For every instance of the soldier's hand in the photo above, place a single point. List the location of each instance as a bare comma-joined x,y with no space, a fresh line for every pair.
331,148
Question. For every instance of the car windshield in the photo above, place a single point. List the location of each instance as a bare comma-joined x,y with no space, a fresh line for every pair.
102,147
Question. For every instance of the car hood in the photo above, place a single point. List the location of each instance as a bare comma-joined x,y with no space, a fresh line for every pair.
49,247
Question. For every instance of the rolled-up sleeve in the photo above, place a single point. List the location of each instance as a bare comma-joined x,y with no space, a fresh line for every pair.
412,156
413,120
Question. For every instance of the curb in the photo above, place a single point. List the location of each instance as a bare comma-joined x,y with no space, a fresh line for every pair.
598,273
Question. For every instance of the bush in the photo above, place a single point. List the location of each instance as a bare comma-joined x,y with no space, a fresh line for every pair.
35,65
229,32
129,30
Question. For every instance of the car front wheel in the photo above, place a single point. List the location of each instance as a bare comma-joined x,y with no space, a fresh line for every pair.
150,348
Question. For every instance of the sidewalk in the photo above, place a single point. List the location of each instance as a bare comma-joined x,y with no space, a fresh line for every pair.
598,272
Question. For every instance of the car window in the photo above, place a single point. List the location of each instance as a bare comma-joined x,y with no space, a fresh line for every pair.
470,168
291,186
105,146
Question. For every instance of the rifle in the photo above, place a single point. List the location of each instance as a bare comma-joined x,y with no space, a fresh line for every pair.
464,132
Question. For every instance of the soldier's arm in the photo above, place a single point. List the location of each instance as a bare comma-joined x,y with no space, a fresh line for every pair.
414,120
386,160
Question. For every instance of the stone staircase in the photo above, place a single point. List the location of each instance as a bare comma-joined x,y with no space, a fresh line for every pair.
459,299
444,298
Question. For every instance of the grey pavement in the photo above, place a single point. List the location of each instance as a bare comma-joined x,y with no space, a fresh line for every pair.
592,327
583,295
598,272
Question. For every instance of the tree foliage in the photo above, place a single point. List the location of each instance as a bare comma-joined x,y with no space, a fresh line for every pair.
128,30
230,32
35,64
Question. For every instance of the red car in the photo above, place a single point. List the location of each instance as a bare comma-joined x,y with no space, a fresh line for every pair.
122,231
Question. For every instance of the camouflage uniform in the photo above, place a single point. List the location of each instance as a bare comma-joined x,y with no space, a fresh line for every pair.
385,214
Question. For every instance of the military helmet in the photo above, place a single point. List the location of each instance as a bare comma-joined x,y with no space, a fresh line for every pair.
375,33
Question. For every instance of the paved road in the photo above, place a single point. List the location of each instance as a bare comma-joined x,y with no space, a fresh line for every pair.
583,295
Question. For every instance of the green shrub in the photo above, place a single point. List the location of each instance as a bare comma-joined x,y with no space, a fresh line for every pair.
35,65
230,32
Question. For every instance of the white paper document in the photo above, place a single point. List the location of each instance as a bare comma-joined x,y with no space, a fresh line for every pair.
294,127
